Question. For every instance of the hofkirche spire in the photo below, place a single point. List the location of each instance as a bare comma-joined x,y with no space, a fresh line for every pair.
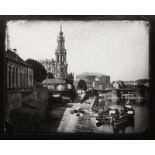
60,56
61,33
60,42
59,66
60,28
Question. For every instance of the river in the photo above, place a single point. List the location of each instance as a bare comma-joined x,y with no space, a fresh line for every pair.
141,118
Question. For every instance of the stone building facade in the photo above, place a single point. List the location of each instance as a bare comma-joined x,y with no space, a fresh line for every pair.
58,66
94,80
19,73
19,81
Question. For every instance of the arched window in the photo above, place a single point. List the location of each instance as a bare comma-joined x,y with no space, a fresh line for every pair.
10,77
58,58
21,80
61,58
24,79
62,70
30,79
16,77
13,77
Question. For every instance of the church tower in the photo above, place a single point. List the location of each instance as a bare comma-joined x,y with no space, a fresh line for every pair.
60,57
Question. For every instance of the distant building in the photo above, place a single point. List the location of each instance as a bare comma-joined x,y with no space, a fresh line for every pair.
94,80
129,84
58,66
144,82
118,84
55,84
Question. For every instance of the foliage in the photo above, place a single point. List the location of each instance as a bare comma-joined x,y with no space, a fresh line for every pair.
50,75
82,85
70,79
142,81
40,72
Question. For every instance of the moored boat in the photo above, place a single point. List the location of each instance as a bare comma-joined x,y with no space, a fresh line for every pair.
120,120
129,110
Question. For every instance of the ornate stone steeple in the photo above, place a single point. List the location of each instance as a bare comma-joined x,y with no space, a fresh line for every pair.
61,33
60,56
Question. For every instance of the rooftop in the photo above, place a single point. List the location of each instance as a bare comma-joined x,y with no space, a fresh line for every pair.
54,81
15,57
91,74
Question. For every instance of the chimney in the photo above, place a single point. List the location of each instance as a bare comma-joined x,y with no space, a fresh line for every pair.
15,51
7,42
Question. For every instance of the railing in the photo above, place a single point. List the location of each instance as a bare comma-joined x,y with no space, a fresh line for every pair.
67,93
122,89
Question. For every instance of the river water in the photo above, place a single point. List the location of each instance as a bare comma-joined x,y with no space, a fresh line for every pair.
62,120
141,118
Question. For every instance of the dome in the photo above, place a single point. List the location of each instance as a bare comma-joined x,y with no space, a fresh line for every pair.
99,78
96,79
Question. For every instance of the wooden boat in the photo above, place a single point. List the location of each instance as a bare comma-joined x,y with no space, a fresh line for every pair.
120,121
129,111
126,117
116,117
103,115
113,112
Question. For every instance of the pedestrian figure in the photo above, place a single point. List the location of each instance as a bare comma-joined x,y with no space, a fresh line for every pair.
124,101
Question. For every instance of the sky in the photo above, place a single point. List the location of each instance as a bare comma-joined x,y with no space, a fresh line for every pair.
119,49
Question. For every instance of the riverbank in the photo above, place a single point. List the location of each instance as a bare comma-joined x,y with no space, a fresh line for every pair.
62,120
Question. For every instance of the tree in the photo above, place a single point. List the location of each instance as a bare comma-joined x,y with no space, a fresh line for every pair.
39,72
82,85
50,75
70,79
142,81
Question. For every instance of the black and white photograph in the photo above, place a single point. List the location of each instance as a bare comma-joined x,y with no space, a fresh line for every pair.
76,77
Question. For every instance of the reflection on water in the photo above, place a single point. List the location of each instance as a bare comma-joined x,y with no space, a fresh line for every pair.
138,125
122,129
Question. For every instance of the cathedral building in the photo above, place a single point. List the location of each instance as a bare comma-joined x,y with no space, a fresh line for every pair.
58,66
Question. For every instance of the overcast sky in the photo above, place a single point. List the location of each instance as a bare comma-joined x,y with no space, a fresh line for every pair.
116,48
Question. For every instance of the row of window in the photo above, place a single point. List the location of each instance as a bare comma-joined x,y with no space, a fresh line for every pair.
60,58
19,79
